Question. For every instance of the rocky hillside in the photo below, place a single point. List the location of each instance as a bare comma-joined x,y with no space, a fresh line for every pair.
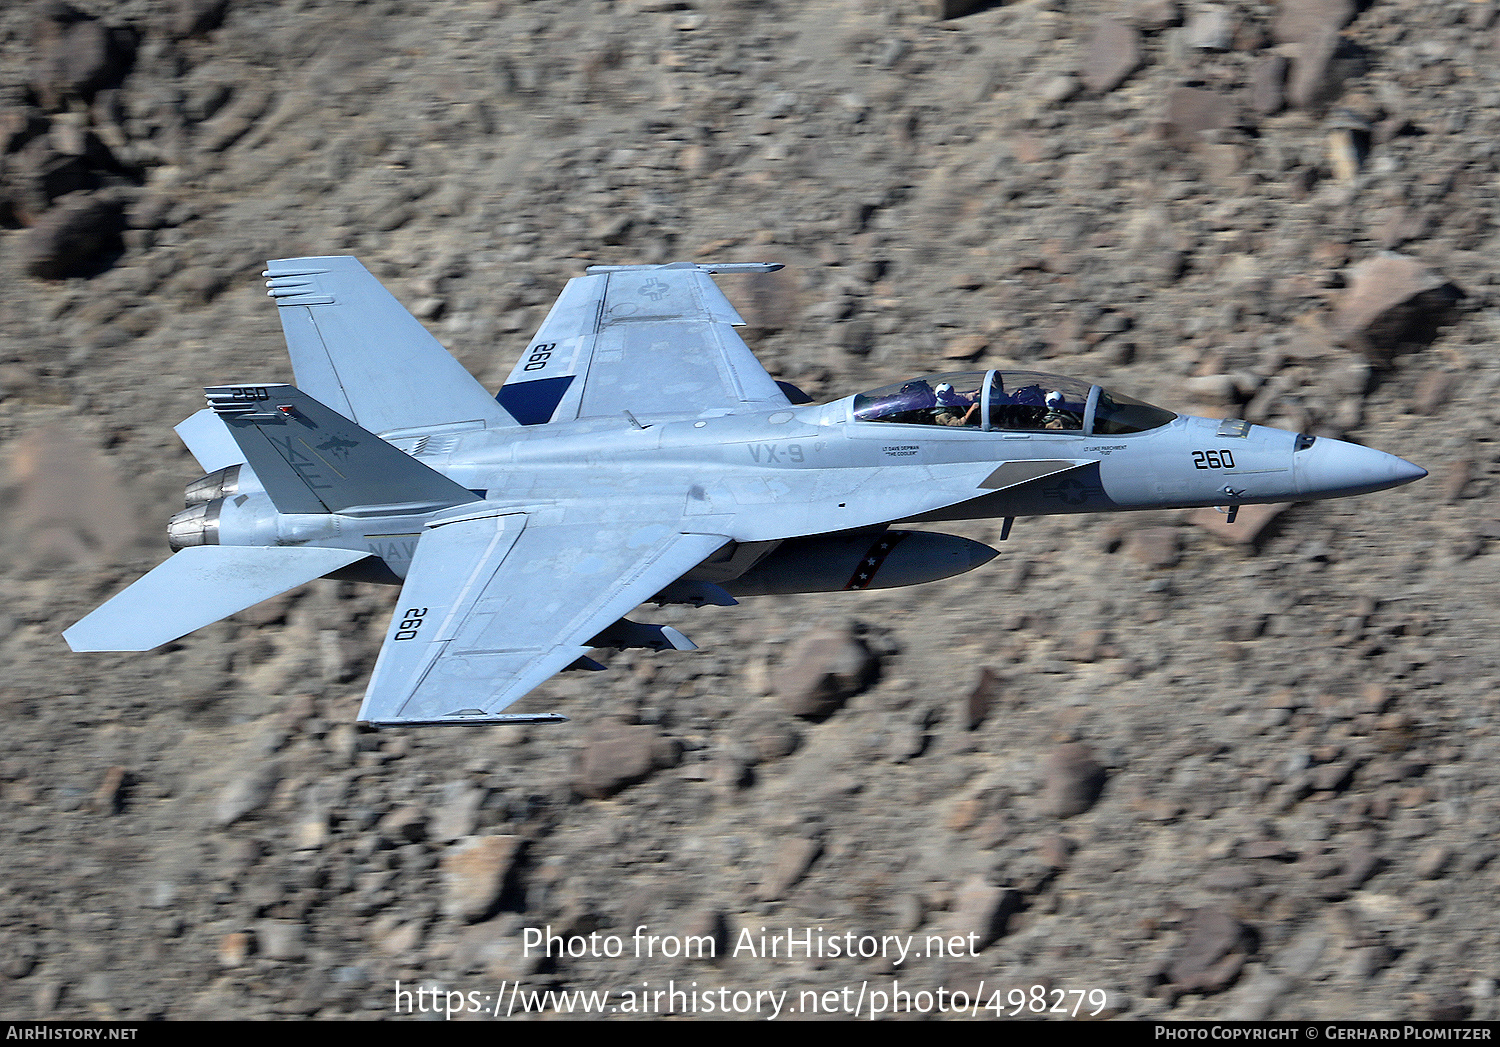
1155,766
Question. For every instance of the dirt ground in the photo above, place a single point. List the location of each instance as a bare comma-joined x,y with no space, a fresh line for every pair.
1136,766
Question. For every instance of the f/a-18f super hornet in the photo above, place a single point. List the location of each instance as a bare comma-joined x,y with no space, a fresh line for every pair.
637,453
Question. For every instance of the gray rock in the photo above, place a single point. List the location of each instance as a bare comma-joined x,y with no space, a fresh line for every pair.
235,121
1256,1000
1277,850
1268,85
1404,224
1057,851
78,54
247,793
1300,958
1392,298
1112,53
1155,15
150,211
459,812
1332,777
793,859
201,284
196,17
1072,780
986,692
280,939
822,671
1324,61
476,872
1154,547
1059,89
855,337
1449,1006
18,956
908,738
1212,388
313,828
1230,878
616,755
1088,645
406,824
1213,953
1367,961
496,949
1193,109
981,913
1361,861
78,237
1211,28
1434,861
110,796
1298,20
399,940
39,175
773,739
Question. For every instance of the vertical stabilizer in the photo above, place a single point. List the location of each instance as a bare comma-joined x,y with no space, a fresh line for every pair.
355,348
314,460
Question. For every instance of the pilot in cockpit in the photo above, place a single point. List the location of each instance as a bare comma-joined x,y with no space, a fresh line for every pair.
1057,416
953,408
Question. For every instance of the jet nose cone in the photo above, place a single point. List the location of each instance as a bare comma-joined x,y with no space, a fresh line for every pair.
1406,472
1333,468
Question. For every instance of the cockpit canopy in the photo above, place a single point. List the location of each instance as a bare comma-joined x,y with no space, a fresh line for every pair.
1024,401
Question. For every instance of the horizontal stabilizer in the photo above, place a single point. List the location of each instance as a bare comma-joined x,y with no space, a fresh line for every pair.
197,587
209,440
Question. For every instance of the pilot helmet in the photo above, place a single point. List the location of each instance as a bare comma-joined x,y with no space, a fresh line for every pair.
1054,400
945,394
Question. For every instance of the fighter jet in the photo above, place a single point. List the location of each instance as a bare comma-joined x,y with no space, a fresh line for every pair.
637,453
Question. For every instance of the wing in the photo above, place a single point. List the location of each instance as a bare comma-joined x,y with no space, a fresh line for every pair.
357,349
652,340
494,605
